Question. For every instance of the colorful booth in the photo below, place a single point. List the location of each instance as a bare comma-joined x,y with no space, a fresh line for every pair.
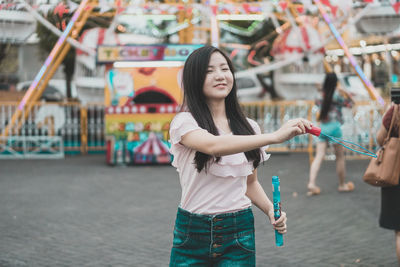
142,95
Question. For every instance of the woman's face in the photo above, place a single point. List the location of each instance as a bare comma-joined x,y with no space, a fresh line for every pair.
219,78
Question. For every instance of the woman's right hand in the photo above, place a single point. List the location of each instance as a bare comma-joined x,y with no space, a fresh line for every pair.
291,129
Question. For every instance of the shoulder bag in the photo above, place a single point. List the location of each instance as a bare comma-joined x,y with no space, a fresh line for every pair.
384,170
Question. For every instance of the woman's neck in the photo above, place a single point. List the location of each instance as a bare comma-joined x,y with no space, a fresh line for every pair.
218,114
217,110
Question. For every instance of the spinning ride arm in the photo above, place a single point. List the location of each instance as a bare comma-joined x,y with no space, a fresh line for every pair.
51,64
366,82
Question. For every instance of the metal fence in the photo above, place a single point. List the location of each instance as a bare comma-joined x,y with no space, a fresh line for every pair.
81,128
361,123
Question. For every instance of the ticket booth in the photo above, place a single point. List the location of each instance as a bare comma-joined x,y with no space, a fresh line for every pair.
142,94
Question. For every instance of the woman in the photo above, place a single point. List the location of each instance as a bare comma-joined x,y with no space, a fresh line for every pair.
331,119
216,151
390,196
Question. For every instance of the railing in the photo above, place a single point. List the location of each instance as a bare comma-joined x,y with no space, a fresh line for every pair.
81,127
361,123
20,147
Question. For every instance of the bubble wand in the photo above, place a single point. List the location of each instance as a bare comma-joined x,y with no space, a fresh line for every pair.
276,193
317,132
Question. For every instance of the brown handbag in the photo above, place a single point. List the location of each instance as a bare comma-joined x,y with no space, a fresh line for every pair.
384,170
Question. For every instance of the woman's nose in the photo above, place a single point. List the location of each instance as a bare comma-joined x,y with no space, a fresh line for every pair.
219,75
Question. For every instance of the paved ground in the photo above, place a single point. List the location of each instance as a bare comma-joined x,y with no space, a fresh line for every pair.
80,212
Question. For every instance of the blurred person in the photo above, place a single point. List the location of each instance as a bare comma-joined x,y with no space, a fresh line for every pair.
216,152
331,119
390,196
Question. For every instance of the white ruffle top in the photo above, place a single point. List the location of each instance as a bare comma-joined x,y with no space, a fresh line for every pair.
220,189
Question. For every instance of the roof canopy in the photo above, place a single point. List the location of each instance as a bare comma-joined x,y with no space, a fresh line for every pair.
16,26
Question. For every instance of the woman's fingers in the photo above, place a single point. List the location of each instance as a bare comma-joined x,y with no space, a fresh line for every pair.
301,124
308,124
302,127
293,128
282,231
280,224
282,219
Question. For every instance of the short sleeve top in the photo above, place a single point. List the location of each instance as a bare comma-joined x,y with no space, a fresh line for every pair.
335,111
220,189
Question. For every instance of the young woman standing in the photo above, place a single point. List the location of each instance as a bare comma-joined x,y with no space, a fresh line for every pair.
331,119
216,152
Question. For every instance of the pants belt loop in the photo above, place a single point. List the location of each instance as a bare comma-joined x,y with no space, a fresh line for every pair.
235,224
190,222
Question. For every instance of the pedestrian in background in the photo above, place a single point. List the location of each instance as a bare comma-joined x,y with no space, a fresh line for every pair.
390,196
216,152
331,120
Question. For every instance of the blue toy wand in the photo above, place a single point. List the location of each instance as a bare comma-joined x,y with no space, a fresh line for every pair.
276,193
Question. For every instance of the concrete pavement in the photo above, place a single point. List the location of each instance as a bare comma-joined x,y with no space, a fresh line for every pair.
81,212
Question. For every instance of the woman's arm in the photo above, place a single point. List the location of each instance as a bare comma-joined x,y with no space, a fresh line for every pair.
220,145
257,195
386,119
381,135
350,99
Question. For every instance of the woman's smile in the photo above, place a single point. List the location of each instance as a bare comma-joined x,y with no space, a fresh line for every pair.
220,85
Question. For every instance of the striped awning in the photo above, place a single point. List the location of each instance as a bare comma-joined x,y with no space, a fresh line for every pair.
152,146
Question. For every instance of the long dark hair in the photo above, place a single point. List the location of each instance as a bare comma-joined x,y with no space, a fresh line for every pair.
194,74
329,87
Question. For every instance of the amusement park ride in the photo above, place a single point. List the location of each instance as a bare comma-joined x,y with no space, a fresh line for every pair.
134,69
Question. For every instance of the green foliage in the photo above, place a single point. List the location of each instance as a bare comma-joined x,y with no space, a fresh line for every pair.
8,55
47,41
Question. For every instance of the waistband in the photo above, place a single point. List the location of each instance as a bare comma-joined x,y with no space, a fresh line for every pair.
186,213
224,226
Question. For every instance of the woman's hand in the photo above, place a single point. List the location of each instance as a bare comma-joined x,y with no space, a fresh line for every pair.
280,224
346,94
292,128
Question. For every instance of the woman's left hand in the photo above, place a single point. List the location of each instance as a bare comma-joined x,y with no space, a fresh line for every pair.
280,224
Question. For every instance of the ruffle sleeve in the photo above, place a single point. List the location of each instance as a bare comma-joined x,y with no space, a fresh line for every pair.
237,164
232,166
182,124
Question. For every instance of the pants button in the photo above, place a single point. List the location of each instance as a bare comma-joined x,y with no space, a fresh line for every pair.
215,255
215,245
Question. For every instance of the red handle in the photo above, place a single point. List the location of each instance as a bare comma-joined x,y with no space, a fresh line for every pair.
314,131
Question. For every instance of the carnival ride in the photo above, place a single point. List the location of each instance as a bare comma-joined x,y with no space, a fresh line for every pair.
188,22
51,64
297,51
297,67
51,144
